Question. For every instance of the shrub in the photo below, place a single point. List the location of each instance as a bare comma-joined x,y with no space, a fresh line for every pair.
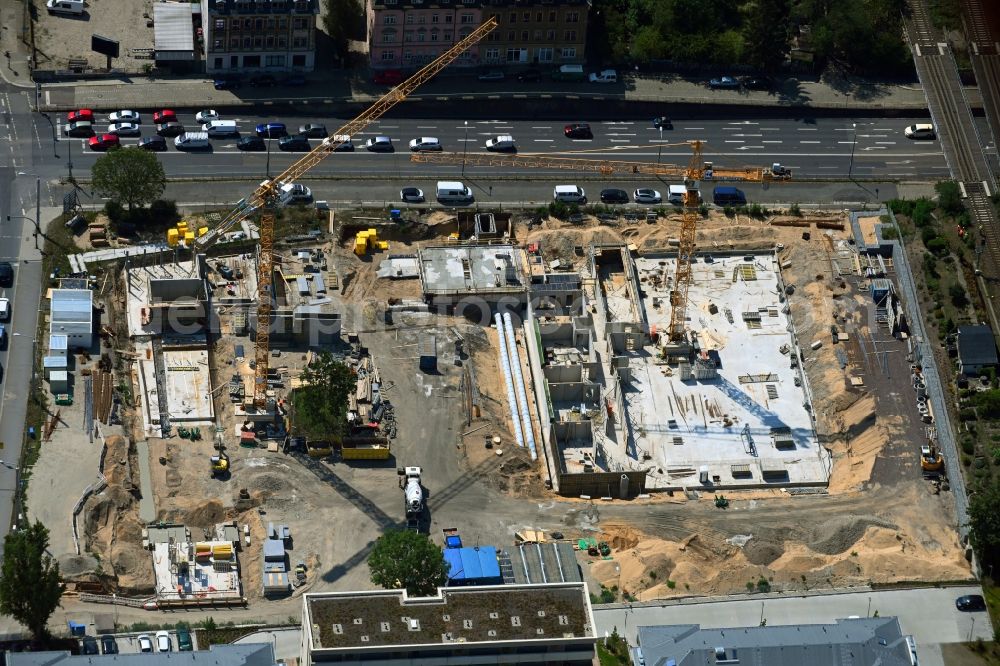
763,585
163,213
958,296
795,210
729,211
703,209
938,245
671,583
949,197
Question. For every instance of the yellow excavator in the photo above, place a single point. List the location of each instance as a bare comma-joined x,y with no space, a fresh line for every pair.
931,459
220,461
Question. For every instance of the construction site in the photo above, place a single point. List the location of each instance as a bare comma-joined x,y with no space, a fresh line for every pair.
708,396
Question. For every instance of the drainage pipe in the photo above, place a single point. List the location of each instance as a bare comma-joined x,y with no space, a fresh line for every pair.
509,381
514,358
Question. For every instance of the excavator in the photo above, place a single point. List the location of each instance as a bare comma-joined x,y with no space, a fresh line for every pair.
931,459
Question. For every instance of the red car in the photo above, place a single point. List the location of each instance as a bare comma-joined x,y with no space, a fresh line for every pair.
389,77
81,114
164,116
104,141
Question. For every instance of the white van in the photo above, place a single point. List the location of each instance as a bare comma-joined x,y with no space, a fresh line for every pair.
74,7
675,195
218,128
452,192
191,141
344,141
501,143
569,194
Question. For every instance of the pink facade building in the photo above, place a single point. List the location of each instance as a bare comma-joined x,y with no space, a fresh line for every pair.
407,34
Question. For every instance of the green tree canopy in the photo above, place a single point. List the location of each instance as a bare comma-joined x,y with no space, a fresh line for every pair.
343,21
766,32
130,176
407,559
321,403
984,522
30,587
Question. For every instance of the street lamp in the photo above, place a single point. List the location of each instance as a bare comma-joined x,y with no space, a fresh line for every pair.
465,147
854,143
659,150
38,205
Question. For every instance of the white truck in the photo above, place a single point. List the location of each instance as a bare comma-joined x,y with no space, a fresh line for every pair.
192,141
413,496
4,309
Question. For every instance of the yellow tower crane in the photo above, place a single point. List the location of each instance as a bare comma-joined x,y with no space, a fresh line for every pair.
265,197
695,171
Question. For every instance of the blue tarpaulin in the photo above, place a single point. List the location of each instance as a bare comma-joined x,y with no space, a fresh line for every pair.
473,566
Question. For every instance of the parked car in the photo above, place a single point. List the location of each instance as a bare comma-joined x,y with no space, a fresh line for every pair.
503,142
103,142
145,643
164,116
125,116
920,131
605,76
724,83
263,81
80,128
313,130
344,143
88,645
379,144
163,641
6,274
757,82
124,129
294,143
294,193
647,195
530,74
227,83
614,196
970,603
184,643
157,143
172,128
80,114
425,143
412,195
389,77
206,116
109,645
578,131
663,122
492,75
250,143
272,130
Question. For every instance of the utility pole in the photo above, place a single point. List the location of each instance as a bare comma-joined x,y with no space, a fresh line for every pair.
465,147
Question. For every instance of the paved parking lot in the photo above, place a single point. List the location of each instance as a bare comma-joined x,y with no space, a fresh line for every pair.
59,38
129,643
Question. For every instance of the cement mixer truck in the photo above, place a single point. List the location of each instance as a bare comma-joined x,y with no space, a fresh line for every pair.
413,496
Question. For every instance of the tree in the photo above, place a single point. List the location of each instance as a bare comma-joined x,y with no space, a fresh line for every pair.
343,21
765,33
129,176
984,522
30,587
949,197
321,403
407,559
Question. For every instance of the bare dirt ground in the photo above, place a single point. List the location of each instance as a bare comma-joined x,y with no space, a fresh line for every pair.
59,38
858,533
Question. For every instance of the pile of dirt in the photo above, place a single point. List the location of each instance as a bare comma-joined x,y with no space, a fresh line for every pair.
840,534
78,567
204,516
762,552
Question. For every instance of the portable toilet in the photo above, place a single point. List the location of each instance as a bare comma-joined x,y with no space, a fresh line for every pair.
172,237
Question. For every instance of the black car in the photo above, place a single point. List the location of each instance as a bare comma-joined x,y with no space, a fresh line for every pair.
227,83
109,645
757,82
170,129
313,131
250,143
263,81
295,143
6,274
530,75
663,122
970,602
613,196
88,645
156,143
578,131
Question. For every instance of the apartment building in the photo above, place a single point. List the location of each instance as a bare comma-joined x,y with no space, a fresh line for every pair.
406,34
259,35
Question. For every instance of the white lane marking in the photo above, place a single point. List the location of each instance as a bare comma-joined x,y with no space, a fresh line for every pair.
619,140
886,143
736,141
807,129
766,141
693,128
541,127
848,142
426,126
543,140
810,141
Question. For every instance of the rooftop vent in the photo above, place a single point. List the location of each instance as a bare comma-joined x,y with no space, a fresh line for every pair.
364,638
494,616
413,624
358,620
539,631
515,620
467,624
564,620
386,626
446,617
338,629
492,633
541,613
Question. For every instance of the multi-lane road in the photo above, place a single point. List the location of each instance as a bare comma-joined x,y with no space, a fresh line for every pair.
823,148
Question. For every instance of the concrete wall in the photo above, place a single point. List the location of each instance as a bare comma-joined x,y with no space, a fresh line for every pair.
602,484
